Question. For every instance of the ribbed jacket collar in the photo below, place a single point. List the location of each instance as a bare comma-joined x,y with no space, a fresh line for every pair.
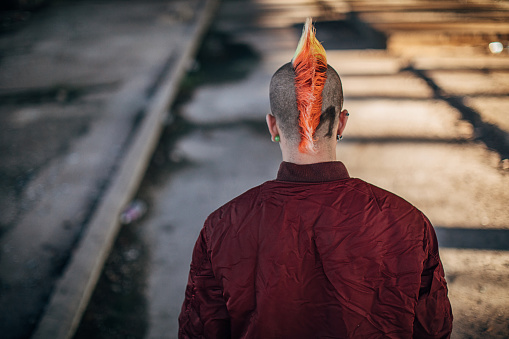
319,172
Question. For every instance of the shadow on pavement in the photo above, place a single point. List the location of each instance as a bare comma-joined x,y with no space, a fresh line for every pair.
349,33
473,238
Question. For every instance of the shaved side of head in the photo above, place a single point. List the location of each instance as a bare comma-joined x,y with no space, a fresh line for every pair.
283,102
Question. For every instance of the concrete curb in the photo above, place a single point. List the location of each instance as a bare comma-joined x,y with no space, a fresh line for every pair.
74,289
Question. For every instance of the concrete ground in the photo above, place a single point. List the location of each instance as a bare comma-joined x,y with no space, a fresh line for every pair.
418,127
84,90
424,104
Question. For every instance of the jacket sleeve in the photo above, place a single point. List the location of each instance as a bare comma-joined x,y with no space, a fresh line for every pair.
433,314
204,313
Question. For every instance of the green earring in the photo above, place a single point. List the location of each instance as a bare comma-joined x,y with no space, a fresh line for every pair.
276,138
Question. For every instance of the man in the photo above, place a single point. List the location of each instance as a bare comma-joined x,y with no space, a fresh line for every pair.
314,253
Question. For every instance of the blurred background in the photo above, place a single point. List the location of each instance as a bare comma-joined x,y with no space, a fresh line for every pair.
125,123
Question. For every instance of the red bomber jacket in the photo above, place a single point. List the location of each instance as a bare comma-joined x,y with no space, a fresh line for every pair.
316,254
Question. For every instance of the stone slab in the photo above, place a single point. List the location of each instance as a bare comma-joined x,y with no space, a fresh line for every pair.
478,282
479,62
401,85
471,82
365,62
379,119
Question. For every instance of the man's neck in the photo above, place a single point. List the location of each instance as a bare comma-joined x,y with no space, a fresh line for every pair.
306,158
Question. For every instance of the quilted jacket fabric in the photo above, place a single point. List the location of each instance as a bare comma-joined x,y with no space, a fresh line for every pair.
316,254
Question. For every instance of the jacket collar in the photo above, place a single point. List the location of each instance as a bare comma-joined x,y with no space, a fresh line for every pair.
319,172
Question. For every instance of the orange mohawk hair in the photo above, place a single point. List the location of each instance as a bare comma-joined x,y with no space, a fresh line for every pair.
310,65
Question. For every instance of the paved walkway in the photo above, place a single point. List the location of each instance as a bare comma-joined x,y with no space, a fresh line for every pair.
84,88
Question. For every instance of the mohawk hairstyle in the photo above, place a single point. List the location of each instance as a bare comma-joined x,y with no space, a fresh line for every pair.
310,65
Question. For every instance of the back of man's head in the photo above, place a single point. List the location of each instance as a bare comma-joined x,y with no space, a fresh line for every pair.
283,102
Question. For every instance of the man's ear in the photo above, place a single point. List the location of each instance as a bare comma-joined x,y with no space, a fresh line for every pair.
343,118
272,125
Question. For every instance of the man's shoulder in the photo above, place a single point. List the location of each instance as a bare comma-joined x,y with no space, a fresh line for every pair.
389,209
384,198
241,204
